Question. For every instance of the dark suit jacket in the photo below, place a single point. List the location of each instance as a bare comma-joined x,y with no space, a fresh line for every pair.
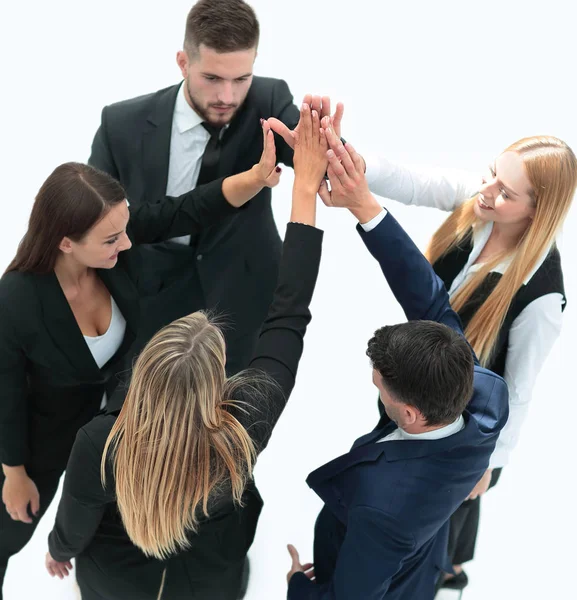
87,524
234,266
382,532
49,383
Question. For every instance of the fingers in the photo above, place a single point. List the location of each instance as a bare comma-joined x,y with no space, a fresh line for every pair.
282,130
268,158
338,116
336,171
294,555
316,103
35,503
305,124
274,178
326,107
316,126
20,513
356,158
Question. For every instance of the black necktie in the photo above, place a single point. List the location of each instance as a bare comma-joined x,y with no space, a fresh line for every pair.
211,157
209,164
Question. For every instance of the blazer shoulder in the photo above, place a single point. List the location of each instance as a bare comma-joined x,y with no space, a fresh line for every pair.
97,431
138,107
16,291
268,89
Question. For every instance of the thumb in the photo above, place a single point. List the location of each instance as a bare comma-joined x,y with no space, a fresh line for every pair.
281,129
324,193
273,179
294,555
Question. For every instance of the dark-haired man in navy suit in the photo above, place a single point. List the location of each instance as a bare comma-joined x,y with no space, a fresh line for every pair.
382,532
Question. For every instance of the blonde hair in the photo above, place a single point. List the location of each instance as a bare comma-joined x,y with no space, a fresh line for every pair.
175,442
551,167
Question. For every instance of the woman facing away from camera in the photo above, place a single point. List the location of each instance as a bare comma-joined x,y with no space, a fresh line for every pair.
158,498
498,258
69,314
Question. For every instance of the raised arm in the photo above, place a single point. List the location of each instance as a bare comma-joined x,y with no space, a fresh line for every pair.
419,291
206,204
444,189
280,345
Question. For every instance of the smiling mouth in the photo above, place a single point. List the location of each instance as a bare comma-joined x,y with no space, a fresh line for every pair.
483,205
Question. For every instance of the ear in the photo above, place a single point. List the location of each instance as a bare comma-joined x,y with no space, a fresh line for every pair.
411,415
182,62
65,245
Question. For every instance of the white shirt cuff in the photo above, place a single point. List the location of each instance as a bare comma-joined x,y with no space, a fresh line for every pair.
372,224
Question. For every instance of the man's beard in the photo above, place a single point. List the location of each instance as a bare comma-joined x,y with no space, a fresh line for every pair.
203,112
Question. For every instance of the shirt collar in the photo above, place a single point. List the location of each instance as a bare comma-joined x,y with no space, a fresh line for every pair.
185,118
435,434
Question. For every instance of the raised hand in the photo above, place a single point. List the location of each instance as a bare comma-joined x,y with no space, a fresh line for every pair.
323,107
349,187
267,169
310,152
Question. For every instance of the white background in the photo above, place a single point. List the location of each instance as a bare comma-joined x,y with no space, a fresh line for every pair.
440,83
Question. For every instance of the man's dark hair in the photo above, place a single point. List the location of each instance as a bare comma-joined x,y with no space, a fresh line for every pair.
426,365
221,25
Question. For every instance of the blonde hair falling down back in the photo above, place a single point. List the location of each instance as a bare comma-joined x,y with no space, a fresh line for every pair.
174,442
552,170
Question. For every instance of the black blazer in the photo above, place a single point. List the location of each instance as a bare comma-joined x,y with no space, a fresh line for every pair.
87,524
234,265
49,383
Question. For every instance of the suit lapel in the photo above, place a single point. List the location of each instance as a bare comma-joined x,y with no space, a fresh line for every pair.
126,297
156,145
63,328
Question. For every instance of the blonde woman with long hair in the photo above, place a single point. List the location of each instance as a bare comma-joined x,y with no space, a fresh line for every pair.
159,500
497,255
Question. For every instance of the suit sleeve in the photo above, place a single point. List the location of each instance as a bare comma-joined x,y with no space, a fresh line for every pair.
414,283
101,155
280,345
187,214
284,110
82,503
373,550
13,395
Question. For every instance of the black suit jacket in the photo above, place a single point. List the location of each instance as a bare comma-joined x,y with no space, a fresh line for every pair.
234,266
87,524
50,384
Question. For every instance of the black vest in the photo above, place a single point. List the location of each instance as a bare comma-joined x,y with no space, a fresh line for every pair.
547,279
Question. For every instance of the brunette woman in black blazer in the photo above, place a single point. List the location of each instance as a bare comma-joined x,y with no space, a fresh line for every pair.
69,313
178,509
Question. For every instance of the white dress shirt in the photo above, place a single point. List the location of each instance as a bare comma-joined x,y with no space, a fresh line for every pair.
103,347
188,141
435,434
537,327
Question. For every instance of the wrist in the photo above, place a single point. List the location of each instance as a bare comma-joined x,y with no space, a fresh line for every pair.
14,472
255,177
367,211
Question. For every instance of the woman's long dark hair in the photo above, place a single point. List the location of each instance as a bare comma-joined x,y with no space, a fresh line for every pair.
70,202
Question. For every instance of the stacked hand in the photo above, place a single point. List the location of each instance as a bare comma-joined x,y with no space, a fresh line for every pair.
310,151
322,105
267,171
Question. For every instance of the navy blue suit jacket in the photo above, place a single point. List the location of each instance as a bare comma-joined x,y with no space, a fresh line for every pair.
383,530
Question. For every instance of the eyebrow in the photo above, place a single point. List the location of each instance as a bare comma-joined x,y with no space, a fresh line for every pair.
219,77
108,237
509,190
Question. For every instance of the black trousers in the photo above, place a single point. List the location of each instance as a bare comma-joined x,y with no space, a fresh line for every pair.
14,535
464,527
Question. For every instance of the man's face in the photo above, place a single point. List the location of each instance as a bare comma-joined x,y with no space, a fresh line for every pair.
217,83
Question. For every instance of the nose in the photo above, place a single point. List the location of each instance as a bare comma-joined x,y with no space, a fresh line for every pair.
226,93
488,187
125,243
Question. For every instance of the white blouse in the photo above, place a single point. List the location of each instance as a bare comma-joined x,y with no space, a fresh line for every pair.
537,327
104,347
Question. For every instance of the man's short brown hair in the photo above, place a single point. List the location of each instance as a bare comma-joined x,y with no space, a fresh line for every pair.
221,25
